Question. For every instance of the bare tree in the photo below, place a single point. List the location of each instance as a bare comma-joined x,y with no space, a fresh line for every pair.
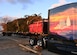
6,19
26,16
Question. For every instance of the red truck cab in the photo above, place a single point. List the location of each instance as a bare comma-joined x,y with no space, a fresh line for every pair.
39,27
38,30
36,27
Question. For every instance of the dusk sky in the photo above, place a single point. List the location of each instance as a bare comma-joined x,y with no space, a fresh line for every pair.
19,8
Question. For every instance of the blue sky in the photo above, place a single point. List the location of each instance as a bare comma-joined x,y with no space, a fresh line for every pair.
19,8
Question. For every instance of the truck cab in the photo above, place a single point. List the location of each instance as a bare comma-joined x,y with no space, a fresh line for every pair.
38,31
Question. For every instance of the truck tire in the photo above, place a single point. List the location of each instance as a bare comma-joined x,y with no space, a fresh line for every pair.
9,34
39,42
3,33
42,43
32,41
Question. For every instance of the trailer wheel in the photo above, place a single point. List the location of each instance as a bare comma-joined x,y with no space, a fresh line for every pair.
32,41
9,34
3,33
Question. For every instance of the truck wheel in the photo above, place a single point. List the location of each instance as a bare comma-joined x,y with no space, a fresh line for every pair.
9,34
3,34
32,41
40,43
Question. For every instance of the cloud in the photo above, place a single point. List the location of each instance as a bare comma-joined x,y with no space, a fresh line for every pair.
1,1
60,2
19,1
12,1
24,3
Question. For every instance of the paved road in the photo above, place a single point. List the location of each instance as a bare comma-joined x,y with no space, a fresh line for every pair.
9,46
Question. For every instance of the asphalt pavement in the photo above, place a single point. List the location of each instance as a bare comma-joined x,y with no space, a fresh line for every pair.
9,46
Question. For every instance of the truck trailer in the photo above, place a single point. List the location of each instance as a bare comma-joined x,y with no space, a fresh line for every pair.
19,26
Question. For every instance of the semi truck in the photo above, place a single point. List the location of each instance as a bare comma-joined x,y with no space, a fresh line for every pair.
59,31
